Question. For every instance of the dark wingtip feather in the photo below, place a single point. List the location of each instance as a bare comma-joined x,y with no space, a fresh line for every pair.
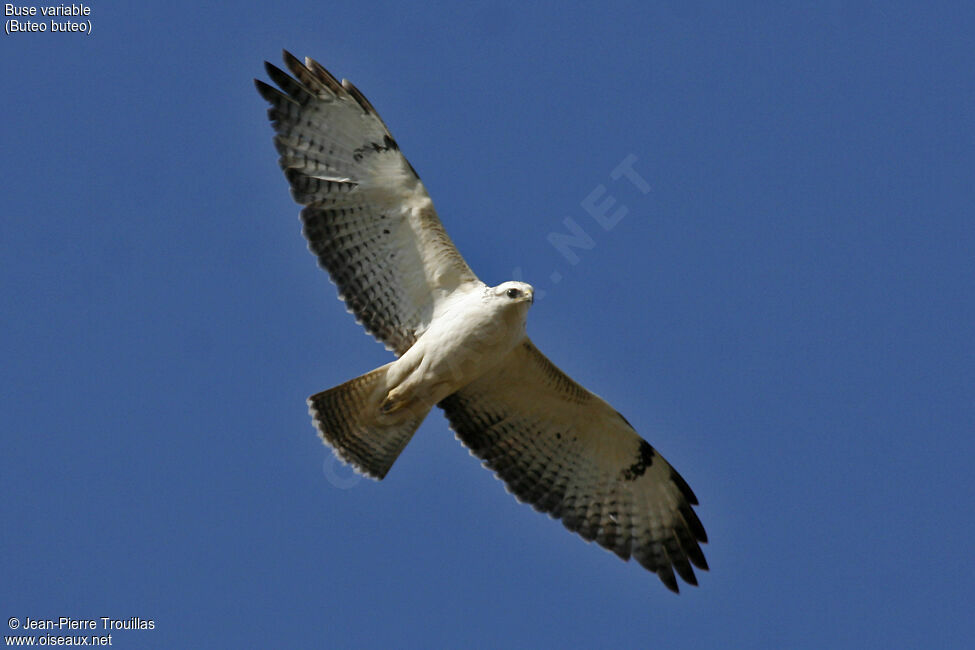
684,488
697,557
324,75
666,575
292,62
685,571
688,575
308,78
358,96
271,94
288,58
273,70
288,84
693,522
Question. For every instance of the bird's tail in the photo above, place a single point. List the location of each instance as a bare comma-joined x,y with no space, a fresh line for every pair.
350,419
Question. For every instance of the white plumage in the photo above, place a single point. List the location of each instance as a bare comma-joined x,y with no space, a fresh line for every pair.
461,345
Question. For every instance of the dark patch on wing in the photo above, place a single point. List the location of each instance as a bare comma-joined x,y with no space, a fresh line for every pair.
374,147
546,463
392,146
359,153
328,152
639,468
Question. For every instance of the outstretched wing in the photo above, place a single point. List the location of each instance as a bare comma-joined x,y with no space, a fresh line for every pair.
367,216
569,453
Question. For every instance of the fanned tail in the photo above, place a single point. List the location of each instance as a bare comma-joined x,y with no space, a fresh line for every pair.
350,420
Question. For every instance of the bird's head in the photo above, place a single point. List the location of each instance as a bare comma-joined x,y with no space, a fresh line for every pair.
515,293
511,301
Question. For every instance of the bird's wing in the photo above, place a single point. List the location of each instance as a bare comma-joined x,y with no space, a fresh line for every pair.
569,453
367,216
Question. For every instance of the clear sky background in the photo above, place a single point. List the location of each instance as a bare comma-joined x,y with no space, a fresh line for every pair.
787,315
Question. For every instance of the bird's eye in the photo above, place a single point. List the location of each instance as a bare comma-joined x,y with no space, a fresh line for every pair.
513,293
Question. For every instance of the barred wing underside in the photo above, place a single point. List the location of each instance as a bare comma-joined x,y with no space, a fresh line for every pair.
570,454
367,216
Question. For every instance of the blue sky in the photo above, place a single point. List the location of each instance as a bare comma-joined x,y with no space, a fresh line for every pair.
787,315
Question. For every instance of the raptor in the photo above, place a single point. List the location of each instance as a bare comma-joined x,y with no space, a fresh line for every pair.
460,345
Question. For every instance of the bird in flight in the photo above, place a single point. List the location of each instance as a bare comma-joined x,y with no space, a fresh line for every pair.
460,345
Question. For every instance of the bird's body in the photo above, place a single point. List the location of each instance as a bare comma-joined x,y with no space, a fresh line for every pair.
472,331
461,345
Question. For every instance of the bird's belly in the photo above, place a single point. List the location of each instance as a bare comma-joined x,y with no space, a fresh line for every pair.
447,358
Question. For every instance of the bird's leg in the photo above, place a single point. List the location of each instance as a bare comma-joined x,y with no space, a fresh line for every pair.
395,400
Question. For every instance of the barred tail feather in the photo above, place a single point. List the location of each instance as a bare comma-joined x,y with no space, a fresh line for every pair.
349,419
